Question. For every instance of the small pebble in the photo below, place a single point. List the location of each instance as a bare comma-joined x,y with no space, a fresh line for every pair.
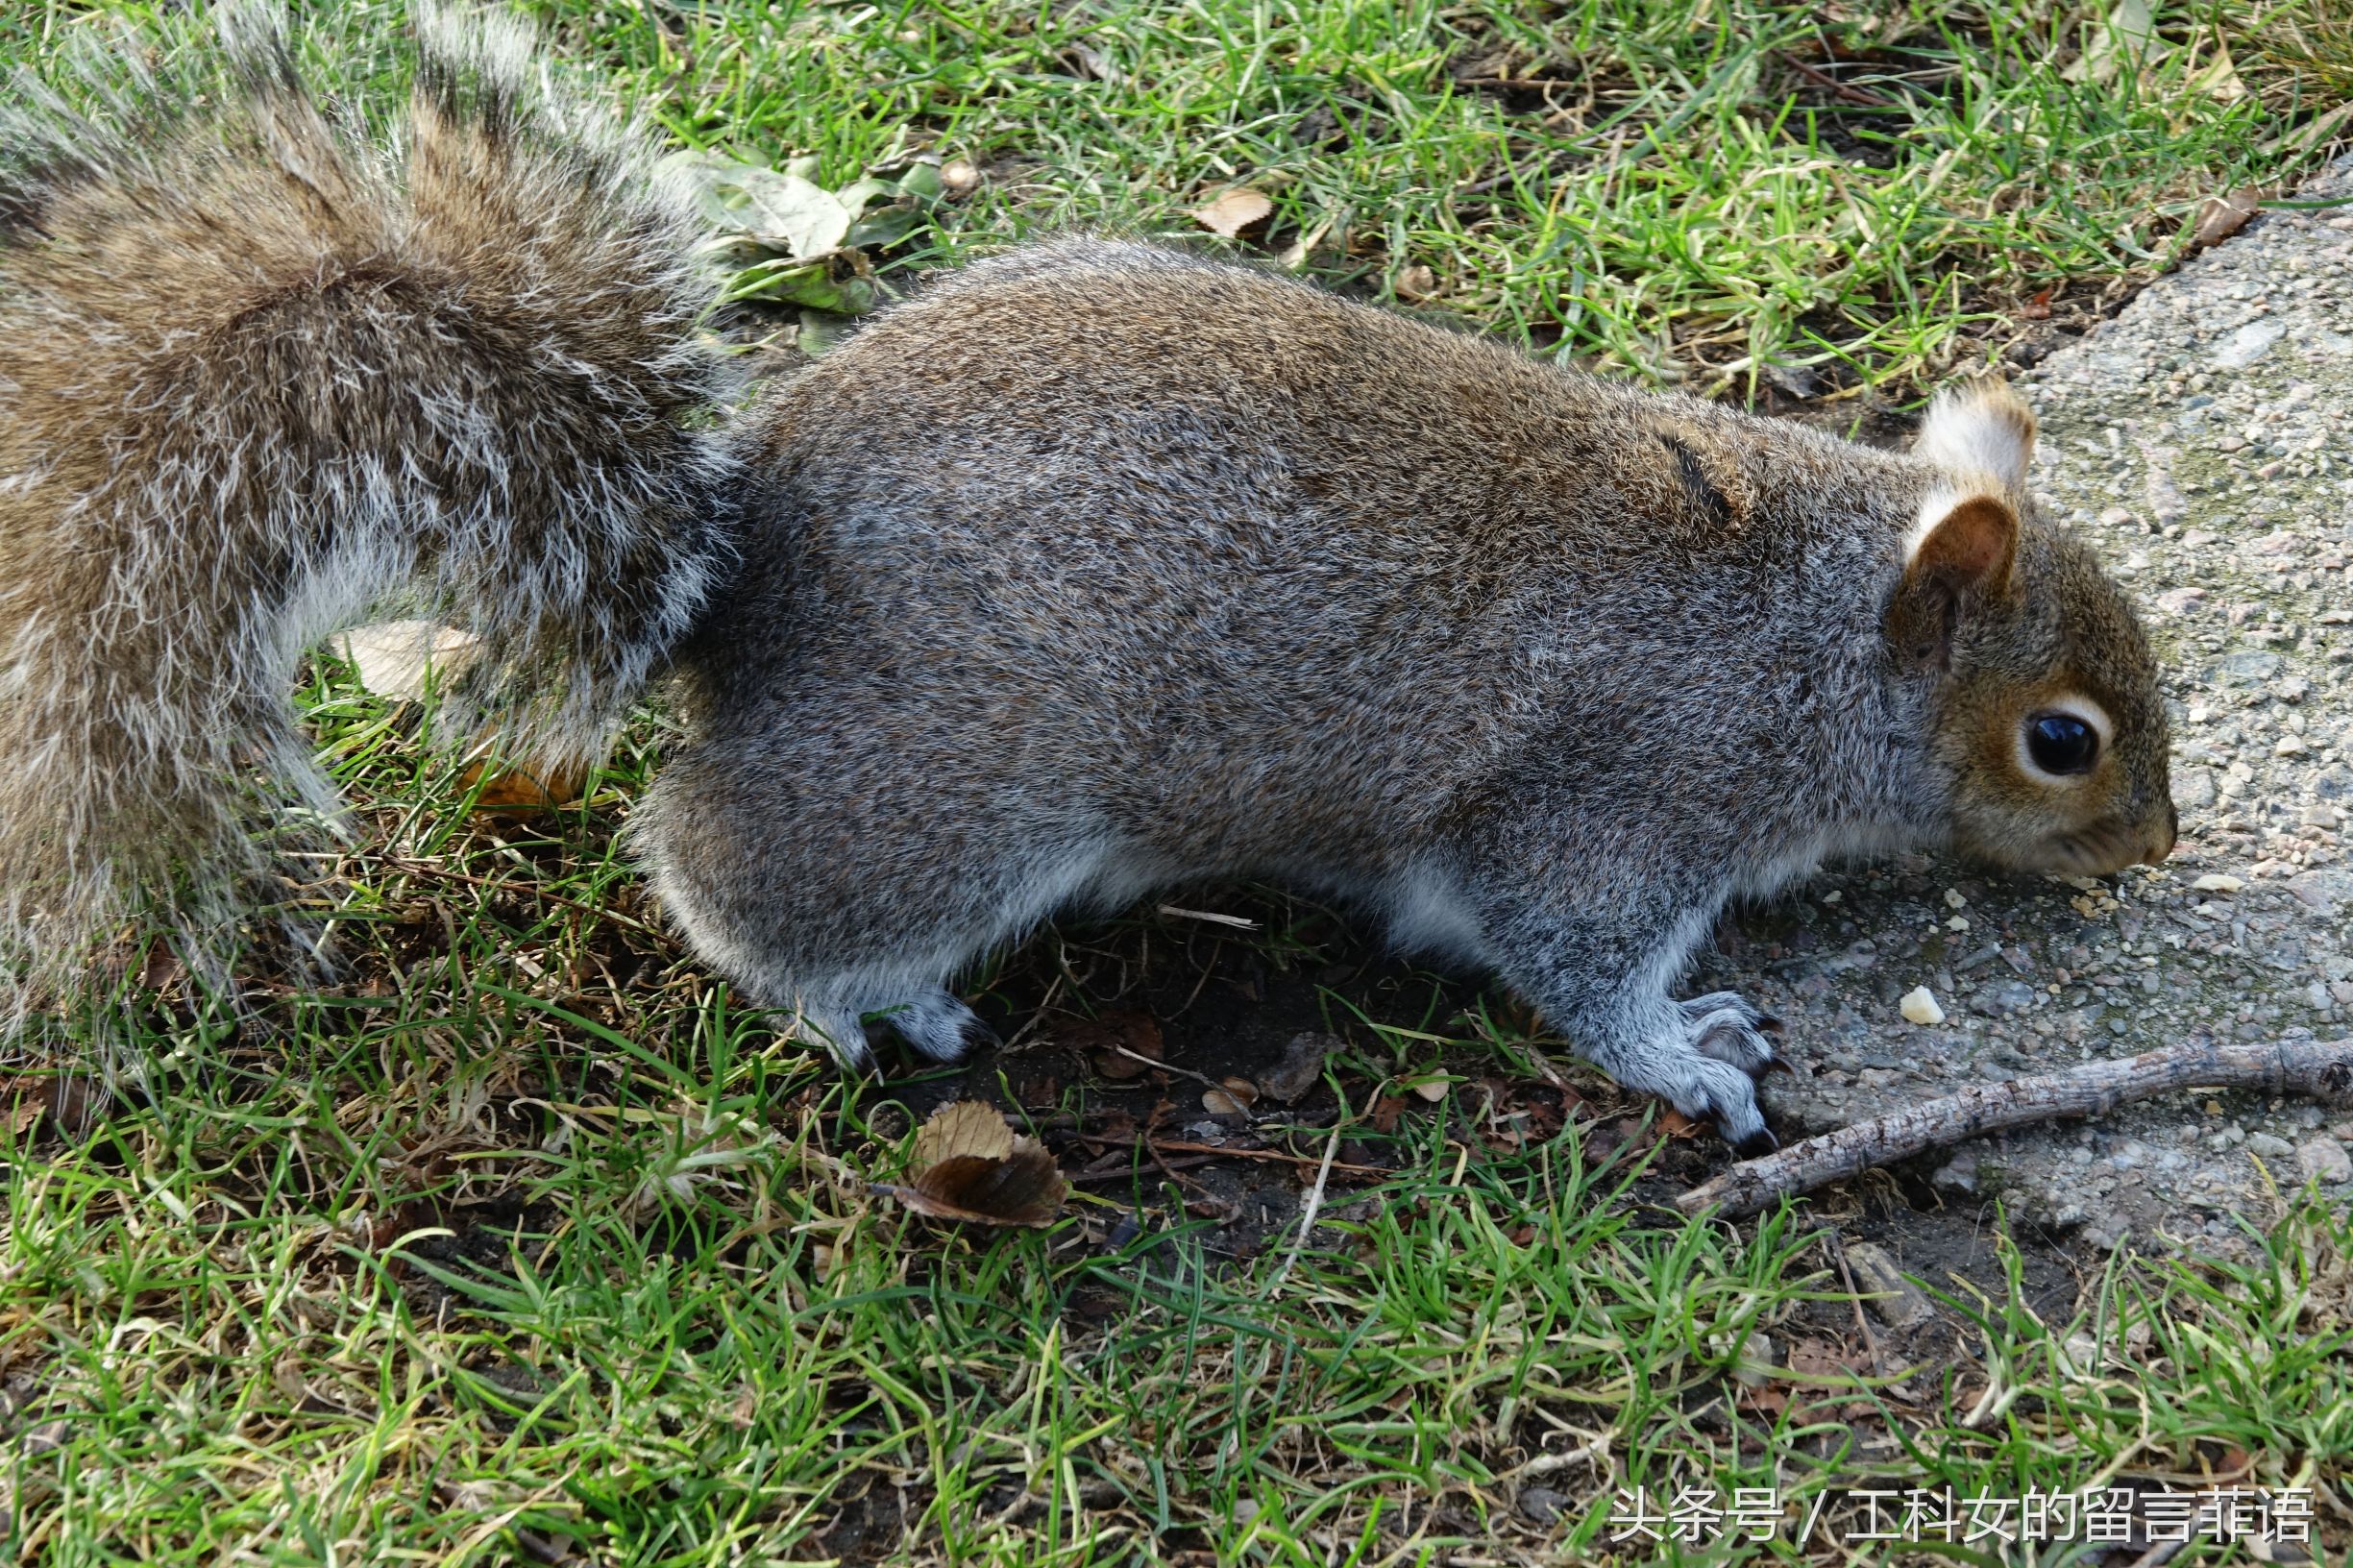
2324,1159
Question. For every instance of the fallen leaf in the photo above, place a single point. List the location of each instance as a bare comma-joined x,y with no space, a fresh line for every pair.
972,1167
1433,1090
783,211
1114,1042
812,235
1416,282
524,787
1038,1090
400,659
1232,1098
161,968
1301,1068
2218,77
971,1127
2218,217
1675,1124
1814,1359
2127,34
1234,212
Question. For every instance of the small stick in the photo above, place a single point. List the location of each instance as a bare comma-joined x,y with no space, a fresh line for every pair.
1238,922
1854,1299
1278,1155
1282,1158
2319,1069
1845,90
1168,1168
1157,1063
1309,1210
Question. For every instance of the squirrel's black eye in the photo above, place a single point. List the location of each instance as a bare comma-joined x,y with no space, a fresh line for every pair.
2059,743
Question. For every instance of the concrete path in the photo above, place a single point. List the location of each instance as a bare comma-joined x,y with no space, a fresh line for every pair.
2203,440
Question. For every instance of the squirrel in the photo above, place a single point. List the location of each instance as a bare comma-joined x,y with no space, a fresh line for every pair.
1084,571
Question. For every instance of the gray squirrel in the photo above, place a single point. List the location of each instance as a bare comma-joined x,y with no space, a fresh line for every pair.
1087,571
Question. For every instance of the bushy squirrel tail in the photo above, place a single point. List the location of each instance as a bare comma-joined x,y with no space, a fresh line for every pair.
268,359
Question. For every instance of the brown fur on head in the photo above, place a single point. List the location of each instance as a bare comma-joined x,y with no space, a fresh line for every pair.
2051,726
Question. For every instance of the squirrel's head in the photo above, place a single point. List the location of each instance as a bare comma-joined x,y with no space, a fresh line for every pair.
2049,726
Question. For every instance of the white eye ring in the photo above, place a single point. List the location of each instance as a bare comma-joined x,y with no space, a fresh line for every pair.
2073,705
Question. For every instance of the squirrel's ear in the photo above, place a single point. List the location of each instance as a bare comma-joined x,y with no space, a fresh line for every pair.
1964,553
1971,544
1979,430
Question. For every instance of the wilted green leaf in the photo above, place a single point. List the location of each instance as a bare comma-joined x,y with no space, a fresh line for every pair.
789,214
784,281
800,224
923,184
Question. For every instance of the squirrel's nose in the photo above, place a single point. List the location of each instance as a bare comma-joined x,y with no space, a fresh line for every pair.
2172,836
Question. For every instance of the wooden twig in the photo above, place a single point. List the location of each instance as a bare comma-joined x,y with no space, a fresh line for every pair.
1169,1167
1309,1210
1854,1299
1278,1155
1844,92
2319,1069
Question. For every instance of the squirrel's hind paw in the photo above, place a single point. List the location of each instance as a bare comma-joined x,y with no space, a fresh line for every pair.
939,1026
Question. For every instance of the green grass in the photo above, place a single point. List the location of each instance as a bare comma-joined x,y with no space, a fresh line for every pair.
520,1240
1686,188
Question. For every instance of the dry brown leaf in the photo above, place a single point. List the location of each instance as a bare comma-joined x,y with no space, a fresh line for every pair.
523,788
1232,1098
1114,1042
1416,282
1234,212
971,1127
2218,217
972,1167
1302,1066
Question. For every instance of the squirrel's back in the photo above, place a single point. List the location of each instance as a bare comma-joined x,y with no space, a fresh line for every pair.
1258,567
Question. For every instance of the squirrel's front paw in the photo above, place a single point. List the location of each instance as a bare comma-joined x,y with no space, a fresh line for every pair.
1728,1029
1706,1090
1709,1074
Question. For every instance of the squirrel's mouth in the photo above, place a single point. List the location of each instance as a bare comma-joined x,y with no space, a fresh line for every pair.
2108,847
2096,849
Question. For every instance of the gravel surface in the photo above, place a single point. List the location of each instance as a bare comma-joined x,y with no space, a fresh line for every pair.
2203,440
